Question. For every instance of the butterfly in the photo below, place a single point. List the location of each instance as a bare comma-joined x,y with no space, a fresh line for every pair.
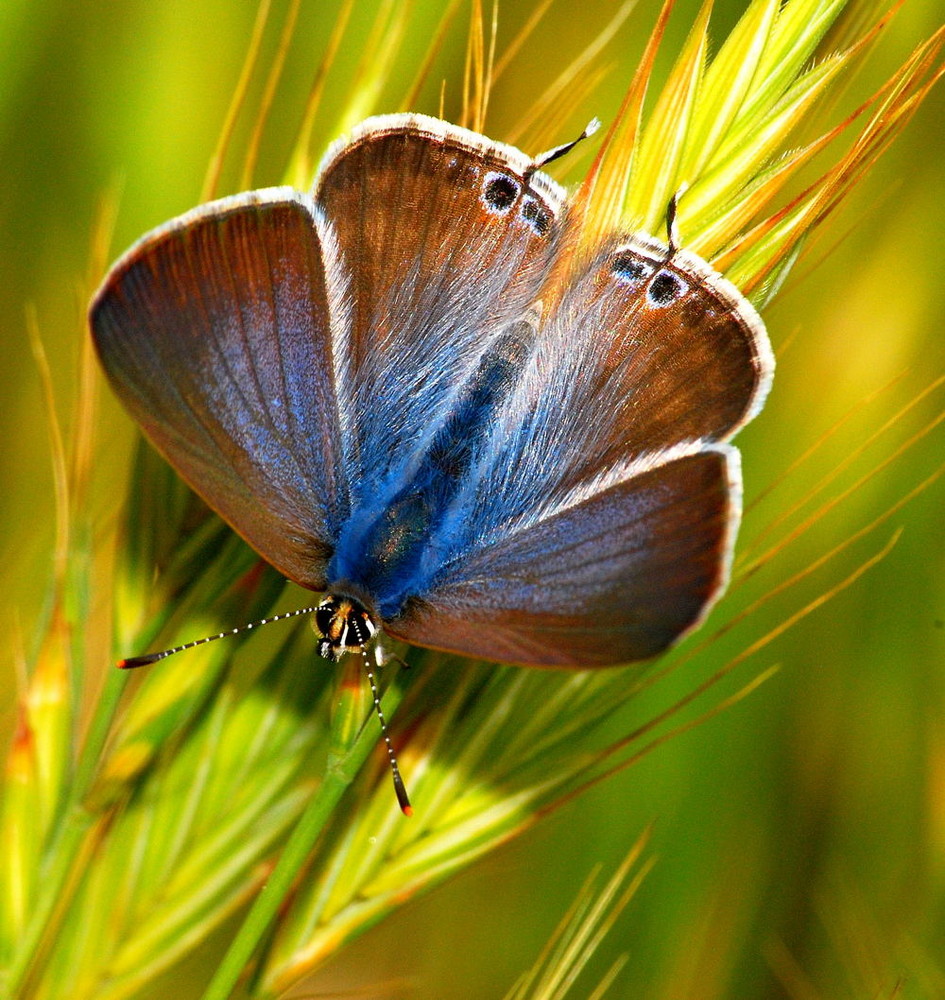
396,393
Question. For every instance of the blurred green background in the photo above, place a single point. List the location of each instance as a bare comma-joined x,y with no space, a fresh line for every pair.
801,835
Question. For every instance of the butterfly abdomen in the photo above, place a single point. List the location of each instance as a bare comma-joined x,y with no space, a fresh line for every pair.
385,553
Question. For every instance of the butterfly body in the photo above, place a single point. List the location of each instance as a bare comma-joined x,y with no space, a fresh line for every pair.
390,391
421,517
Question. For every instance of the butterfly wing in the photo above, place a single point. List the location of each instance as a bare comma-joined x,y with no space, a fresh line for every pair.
642,353
617,577
598,525
687,357
218,331
449,237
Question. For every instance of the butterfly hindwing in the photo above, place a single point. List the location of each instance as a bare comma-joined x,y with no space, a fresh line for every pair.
644,351
447,241
216,333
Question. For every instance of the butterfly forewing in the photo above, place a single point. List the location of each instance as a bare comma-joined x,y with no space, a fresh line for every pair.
616,577
682,354
216,333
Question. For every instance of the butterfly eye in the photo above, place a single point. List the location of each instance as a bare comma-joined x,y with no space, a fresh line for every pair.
536,216
665,288
499,193
629,269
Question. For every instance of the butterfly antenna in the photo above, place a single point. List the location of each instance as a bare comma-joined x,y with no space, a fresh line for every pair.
148,658
592,126
400,788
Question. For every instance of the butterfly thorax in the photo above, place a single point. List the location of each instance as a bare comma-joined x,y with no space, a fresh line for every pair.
344,624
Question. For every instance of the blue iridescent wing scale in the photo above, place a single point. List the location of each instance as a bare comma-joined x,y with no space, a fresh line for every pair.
218,332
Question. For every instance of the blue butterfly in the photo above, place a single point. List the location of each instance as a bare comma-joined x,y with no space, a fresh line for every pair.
404,393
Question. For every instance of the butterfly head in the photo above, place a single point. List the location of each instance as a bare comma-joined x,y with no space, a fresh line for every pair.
344,624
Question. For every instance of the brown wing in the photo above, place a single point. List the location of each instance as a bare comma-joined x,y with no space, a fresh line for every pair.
599,523
448,237
617,577
216,331
643,354
645,351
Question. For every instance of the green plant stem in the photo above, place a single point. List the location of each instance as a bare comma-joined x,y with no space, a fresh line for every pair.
98,731
340,772
60,880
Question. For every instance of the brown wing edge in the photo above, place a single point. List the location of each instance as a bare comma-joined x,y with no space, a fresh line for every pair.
445,132
211,209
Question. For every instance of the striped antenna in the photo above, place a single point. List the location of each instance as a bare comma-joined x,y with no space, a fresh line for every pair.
400,789
592,126
672,226
148,658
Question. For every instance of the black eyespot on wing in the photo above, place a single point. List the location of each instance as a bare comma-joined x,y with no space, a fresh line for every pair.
666,287
628,268
537,216
500,192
